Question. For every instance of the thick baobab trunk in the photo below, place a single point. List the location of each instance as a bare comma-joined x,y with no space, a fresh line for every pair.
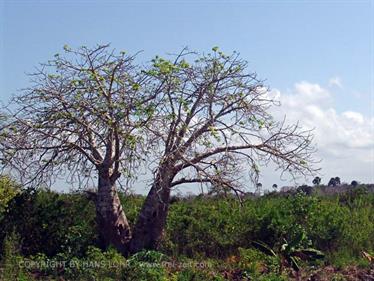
152,217
112,223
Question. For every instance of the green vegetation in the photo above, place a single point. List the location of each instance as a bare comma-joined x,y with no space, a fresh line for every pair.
49,236
8,189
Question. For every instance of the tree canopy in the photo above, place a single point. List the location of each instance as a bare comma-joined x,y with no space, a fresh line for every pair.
84,110
213,122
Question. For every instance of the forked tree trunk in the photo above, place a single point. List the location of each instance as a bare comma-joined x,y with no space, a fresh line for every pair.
112,223
113,226
151,221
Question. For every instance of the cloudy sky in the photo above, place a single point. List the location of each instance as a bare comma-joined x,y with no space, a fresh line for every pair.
317,56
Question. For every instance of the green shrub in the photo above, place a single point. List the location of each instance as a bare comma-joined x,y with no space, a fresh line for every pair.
191,274
59,227
146,265
253,261
50,223
8,189
97,265
11,265
203,227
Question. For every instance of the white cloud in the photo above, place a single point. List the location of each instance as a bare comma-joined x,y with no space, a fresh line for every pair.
345,140
335,82
354,117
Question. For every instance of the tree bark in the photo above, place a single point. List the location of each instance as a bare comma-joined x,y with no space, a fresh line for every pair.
112,223
151,221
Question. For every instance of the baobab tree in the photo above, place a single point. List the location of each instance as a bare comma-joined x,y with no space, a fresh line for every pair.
200,119
82,118
212,124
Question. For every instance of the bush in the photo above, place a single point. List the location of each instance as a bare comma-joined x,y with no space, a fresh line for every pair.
203,226
8,189
11,263
57,227
146,265
50,223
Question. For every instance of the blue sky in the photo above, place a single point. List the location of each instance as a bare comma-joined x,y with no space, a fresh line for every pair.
322,43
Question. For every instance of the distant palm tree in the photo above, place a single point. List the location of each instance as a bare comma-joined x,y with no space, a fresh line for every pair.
317,181
334,181
354,183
